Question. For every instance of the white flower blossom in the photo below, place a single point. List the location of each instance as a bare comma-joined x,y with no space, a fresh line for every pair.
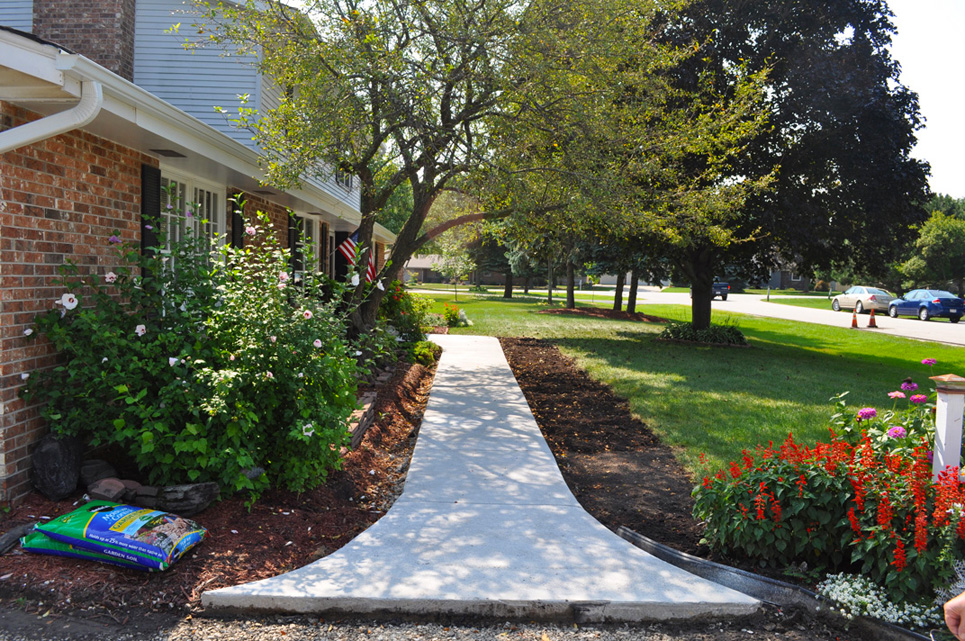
104,360
380,286
355,280
172,361
24,376
110,277
140,330
308,429
28,332
68,300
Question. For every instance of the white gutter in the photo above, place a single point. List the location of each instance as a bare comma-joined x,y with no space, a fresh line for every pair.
91,99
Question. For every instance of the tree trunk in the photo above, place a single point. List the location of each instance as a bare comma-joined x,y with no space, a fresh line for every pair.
570,285
700,269
618,293
549,284
632,296
526,285
508,289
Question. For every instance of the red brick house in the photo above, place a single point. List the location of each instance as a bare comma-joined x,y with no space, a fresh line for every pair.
89,131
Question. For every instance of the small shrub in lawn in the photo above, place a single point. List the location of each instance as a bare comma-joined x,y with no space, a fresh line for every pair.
215,362
862,503
451,315
405,311
715,334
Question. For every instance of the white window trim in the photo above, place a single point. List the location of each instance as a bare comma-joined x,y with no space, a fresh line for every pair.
219,221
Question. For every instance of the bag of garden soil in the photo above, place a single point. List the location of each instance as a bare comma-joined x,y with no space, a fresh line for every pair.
42,544
148,539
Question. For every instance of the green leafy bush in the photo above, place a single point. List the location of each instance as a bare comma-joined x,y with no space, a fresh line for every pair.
716,334
451,314
213,363
424,352
862,503
405,311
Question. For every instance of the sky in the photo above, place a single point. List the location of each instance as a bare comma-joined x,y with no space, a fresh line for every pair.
931,50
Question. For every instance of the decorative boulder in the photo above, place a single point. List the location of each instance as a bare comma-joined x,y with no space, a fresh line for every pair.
56,466
183,500
95,469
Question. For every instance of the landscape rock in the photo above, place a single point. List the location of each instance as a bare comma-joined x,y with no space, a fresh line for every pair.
130,489
109,489
183,500
95,469
56,466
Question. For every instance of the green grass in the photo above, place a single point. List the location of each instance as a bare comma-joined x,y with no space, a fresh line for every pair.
786,292
813,303
718,400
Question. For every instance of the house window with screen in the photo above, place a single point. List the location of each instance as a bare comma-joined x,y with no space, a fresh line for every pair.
191,206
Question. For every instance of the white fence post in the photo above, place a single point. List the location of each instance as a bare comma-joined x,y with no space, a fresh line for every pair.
948,422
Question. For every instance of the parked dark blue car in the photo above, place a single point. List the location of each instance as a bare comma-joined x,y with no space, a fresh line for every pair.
928,303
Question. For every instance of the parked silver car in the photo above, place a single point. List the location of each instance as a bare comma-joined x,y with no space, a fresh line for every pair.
862,299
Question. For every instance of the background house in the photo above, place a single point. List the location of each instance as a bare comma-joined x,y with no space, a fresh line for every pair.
98,109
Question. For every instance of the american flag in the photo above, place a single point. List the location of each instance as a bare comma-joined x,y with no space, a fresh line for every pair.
349,248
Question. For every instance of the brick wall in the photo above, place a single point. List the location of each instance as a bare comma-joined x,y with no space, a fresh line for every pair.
102,30
255,203
59,198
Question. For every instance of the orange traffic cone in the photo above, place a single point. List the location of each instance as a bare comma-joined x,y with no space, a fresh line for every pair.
854,320
871,320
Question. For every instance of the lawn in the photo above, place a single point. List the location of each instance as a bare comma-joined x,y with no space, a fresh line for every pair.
718,400
804,301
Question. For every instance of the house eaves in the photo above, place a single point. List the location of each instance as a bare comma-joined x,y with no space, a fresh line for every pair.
46,79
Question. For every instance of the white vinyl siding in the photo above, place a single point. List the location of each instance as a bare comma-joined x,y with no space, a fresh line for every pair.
17,14
195,81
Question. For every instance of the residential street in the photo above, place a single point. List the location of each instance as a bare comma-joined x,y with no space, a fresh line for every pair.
940,330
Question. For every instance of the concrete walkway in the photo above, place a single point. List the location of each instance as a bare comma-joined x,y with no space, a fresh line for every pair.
486,526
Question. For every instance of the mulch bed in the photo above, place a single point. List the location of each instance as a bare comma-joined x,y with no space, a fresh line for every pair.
603,313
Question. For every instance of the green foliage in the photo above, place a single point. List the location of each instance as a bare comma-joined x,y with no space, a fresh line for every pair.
424,352
939,258
451,315
213,363
716,334
404,311
863,503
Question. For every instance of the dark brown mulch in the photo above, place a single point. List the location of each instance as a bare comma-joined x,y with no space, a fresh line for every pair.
613,463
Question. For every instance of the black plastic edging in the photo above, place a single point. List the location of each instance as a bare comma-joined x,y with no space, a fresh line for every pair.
761,587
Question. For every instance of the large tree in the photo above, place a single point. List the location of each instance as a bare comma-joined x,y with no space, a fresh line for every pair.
390,91
939,258
842,129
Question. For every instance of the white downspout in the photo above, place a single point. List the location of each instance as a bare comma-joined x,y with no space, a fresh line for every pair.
91,100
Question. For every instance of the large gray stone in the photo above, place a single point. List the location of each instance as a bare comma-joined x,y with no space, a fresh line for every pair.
95,469
56,466
184,500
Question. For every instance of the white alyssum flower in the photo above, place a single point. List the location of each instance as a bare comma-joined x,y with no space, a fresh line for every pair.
859,596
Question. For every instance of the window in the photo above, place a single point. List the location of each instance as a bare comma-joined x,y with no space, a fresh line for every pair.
304,242
795,278
188,204
343,179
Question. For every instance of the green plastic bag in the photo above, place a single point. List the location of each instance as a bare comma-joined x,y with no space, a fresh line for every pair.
39,543
149,539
